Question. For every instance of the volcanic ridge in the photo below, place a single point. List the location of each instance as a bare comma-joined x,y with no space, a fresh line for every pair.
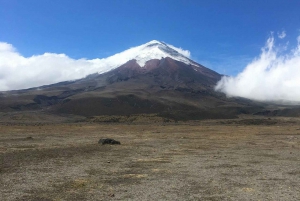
154,78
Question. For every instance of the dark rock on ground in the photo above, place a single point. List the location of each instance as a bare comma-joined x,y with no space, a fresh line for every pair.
29,138
108,141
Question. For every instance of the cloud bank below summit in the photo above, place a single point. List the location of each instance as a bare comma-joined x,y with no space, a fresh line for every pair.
273,76
19,72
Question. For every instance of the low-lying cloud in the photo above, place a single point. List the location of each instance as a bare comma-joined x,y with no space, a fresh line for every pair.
273,76
19,72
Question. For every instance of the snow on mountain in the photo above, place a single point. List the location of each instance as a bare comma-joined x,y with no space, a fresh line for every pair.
143,53
19,72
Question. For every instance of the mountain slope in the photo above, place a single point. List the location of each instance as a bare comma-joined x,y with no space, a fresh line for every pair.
172,86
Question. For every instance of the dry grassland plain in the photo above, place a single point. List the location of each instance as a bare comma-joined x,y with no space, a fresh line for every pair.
241,159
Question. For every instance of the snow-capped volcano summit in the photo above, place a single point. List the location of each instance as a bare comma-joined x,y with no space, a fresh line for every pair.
50,68
153,78
157,50
143,53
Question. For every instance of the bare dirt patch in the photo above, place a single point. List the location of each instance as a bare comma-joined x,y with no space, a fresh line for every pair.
199,160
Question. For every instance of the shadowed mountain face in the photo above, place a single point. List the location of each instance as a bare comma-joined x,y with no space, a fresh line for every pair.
166,86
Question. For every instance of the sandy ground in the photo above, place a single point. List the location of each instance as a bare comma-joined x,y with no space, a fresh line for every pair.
206,160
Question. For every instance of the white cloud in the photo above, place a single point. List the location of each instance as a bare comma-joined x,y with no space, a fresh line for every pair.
19,72
271,76
185,53
282,35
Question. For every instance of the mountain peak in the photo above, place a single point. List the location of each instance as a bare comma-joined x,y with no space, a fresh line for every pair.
154,42
151,50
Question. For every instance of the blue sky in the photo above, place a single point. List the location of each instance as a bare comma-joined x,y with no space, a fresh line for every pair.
215,31
224,35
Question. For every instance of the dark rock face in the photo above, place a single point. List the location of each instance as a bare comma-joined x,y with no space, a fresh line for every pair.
104,141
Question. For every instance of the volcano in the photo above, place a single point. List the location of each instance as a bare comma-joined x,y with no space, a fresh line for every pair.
154,78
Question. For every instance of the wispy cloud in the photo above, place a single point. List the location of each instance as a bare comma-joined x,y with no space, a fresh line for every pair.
274,75
282,35
185,53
